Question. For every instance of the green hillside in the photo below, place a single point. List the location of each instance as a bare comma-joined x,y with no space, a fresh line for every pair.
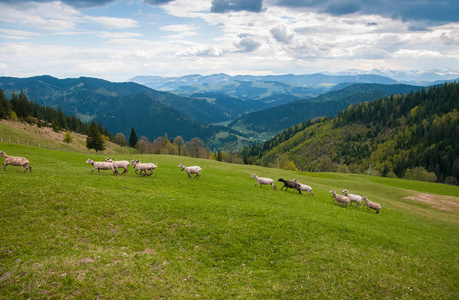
393,135
70,234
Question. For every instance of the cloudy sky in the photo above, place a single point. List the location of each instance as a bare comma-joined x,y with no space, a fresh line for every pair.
119,39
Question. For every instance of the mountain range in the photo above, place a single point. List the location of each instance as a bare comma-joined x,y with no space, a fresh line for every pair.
248,109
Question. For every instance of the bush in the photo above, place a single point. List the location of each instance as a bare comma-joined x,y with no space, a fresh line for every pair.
391,174
451,180
343,169
420,174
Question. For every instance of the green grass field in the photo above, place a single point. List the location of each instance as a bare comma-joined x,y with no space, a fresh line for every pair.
66,233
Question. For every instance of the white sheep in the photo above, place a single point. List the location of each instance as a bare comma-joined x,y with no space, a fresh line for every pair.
354,198
371,205
142,168
15,161
191,170
304,187
340,198
120,164
102,165
262,180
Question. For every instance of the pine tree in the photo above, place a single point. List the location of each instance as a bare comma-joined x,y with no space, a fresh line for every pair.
4,106
94,139
133,138
61,119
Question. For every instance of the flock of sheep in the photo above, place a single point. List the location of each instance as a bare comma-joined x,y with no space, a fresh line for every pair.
146,169
143,169
343,199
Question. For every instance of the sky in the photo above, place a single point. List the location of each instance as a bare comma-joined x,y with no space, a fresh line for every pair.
119,39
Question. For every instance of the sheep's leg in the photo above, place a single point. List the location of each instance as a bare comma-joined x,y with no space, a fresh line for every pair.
4,166
197,175
189,176
149,174
92,171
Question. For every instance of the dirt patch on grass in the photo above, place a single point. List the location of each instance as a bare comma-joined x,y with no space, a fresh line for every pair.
448,203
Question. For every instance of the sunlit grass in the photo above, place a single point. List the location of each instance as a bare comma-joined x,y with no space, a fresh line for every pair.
70,234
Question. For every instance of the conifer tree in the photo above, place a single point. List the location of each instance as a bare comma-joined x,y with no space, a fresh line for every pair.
4,106
133,138
94,139
61,119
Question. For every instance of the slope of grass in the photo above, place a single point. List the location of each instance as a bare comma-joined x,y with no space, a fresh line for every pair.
23,133
70,234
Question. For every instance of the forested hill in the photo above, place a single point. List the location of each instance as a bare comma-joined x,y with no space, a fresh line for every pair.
395,135
276,119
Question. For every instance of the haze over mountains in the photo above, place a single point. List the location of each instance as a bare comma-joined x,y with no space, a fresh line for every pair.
250,108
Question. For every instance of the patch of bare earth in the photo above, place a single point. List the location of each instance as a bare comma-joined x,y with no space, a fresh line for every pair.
448,203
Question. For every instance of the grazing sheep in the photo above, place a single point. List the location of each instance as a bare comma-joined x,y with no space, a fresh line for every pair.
120,164
371,205
142,168
304,187
15,161
354,198
102,165
340,198
262,180
191,170
290,184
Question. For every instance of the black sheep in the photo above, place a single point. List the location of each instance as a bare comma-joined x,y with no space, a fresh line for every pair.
290,184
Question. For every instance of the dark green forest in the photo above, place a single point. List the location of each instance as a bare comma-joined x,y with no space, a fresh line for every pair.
20,107
393,136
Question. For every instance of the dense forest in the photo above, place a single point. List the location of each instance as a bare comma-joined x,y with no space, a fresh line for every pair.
21,108
409,136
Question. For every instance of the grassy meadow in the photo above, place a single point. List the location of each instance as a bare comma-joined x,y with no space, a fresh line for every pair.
66,233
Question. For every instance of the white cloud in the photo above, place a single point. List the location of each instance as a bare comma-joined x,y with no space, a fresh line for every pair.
17,34
117,35
110,22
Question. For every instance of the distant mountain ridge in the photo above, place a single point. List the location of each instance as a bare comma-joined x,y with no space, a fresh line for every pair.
418,77
173,83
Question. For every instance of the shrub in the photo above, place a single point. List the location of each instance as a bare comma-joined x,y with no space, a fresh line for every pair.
451,180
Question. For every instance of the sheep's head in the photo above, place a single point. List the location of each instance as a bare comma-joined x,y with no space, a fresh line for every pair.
253,176
281,179
181,166
332,192
365,199
295,180
109,159
3,154
89,161
344,192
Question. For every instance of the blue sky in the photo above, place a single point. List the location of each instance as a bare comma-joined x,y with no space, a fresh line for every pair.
117,40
